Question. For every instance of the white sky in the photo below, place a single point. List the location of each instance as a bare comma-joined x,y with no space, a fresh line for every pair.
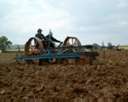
92,21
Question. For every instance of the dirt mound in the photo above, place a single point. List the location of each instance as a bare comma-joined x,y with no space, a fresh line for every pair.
107,80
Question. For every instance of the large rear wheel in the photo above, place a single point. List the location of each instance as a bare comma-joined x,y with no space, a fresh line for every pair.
33,47
71,45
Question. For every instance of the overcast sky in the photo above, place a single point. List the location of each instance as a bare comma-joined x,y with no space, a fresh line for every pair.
92,21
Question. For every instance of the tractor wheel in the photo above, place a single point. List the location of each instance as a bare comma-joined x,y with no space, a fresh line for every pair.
71,41
70,45
34,46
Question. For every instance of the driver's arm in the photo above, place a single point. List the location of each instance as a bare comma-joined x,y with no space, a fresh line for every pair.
53,39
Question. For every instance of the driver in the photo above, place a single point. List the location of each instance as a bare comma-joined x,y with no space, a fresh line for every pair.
40,35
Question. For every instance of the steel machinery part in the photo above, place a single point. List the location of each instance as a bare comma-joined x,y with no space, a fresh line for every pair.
71,45
71,41
33,46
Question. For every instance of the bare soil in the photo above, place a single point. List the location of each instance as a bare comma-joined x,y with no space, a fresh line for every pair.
104,81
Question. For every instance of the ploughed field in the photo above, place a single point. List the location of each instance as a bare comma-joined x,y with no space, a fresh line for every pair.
104,81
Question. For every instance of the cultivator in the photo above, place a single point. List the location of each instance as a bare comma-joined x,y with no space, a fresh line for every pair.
69,52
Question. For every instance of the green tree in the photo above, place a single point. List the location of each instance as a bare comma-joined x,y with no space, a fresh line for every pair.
4,43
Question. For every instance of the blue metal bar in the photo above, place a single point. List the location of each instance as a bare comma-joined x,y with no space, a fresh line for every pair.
49,56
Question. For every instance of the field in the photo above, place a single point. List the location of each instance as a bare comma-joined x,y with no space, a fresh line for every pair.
124,47
6,58
104,81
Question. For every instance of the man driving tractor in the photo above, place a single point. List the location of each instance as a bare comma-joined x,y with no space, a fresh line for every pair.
49,39
40,35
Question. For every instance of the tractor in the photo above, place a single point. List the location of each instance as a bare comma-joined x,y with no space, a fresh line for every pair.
70,51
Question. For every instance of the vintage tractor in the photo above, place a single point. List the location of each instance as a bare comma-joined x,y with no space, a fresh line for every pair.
69,52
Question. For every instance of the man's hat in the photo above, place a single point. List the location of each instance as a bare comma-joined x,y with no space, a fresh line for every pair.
39,30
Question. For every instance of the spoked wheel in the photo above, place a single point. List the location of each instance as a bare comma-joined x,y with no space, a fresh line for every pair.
34,46
71,44
71,41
